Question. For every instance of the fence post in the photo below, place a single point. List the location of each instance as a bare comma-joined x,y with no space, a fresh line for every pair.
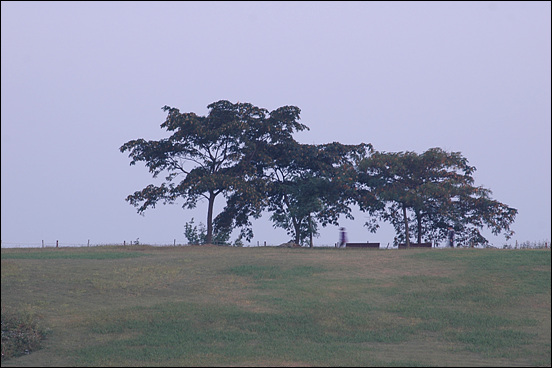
174,244
57,243
265,243
42,243
88,242
124,242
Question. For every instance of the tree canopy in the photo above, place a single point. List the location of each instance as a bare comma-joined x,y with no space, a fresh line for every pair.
311,185
249,156
437,188
212,154
301,185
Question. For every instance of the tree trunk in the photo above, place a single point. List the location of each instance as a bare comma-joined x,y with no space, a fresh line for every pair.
406,227
419,218
209,237
297,226
296,223
310,231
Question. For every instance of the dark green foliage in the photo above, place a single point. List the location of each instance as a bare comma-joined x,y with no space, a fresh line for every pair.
249,156
302,186
437,187
21,333
214,154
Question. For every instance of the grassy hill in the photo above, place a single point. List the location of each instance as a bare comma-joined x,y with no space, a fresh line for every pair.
266,306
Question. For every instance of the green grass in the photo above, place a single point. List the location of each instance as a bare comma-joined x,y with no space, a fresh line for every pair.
213,306
52,254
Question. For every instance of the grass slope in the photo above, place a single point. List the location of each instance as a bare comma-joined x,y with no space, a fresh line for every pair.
214,306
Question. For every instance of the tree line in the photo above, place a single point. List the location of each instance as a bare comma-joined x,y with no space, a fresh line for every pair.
249,156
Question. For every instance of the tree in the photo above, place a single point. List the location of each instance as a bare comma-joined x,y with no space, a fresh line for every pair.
213,154
302,186
437,188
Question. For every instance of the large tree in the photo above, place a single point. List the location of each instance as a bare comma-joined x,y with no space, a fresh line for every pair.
212,155
432,191
302,186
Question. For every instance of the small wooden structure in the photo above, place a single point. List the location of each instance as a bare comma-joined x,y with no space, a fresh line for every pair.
362,245
416,245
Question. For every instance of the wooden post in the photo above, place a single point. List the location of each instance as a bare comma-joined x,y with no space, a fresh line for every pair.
257,243
174,244
124,242
265,243
42,243
88,242
57,243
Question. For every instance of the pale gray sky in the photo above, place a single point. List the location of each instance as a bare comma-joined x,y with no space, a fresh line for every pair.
79,79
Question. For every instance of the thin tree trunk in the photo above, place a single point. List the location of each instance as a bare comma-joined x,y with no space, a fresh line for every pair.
310,231
406,227
296,223
209,237
419,218
297,226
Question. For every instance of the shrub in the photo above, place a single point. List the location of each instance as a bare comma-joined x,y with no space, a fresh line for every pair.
198,235
21,333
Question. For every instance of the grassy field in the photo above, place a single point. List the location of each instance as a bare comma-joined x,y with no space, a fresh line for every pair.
224,306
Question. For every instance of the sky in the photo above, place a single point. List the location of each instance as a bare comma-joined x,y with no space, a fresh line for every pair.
79,79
